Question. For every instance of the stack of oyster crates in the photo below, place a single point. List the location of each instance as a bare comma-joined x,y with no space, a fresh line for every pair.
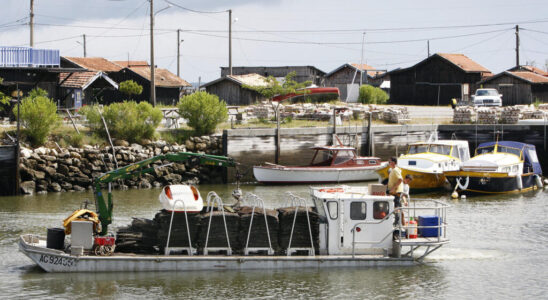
464,115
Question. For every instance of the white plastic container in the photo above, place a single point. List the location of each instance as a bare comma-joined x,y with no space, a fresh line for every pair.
173,196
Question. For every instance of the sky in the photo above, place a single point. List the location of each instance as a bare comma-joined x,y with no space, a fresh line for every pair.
321,33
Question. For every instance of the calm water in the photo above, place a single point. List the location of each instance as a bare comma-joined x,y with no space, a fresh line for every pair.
499,249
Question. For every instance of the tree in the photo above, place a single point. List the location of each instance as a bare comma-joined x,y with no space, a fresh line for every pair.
372,95
129,120
203,111
130,88
4,100
273,86
38,116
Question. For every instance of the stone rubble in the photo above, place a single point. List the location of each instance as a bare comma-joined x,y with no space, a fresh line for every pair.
71,169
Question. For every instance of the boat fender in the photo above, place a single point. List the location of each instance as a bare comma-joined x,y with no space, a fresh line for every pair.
538,181
519,182
465,186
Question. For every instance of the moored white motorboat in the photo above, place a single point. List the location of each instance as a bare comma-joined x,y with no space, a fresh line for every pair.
427,162
497,168
329,164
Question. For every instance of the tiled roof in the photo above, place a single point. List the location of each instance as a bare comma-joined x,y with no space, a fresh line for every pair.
131,63
530,76
252,79
162,77
535,70
95,63
76,80
464,62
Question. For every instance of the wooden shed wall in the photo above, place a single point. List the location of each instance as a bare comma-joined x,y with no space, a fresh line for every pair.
419,85
233,94
164,95
514,91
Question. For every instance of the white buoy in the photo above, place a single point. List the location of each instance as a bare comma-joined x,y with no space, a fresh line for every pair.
463,197
455,195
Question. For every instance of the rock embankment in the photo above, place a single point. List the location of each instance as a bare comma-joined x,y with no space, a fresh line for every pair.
70,169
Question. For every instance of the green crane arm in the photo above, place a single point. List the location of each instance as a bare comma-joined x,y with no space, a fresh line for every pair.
104,208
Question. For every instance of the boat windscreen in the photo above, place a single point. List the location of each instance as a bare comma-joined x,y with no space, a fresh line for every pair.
343,156
440,149
414,149
485,150
511,150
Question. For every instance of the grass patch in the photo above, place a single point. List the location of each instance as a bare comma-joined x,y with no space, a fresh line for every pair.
178,136
66,136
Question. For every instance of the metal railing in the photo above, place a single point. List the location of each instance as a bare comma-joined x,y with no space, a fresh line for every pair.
254,201
167,249
216,200
298,202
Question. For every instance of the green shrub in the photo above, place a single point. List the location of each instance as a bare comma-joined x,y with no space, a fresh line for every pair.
38,116
203,112
130,88
372,95
128,120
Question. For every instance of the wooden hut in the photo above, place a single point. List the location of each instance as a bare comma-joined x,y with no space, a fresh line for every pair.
232,88
519,87
348,77
303,73
436,80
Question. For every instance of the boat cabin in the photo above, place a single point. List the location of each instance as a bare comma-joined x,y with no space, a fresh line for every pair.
513,157
451,148
337,156
355,221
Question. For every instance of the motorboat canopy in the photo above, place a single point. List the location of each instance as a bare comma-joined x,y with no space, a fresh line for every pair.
526,152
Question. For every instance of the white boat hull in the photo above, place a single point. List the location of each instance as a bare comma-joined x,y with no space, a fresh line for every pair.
58,261
280,174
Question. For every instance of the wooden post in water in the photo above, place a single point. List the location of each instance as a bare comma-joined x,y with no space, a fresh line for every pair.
277,156
18,147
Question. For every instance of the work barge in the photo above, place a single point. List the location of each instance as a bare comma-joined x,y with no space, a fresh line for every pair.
345,227
337,226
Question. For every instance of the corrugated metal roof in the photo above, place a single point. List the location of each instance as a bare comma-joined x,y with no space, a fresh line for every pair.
464,62
131,63
530,76
95,63
252,79
162,77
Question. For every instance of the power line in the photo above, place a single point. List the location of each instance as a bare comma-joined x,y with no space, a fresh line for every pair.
353,43
196,11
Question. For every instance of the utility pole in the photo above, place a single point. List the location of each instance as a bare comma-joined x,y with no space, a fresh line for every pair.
230,41
428,47
517,45
84,36
178,53
361,62
31,23
152,83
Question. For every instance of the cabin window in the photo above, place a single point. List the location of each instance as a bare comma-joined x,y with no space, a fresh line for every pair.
533,155
372,162
484,150
464,155
343,156
440,149
333,209
357,210
380,209
454,152
510,150
413,149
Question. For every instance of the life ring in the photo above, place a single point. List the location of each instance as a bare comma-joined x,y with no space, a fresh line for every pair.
332,190
460,186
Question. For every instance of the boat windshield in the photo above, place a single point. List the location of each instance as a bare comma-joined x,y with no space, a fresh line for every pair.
485,150
505,149
414,149
343,156
440,149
